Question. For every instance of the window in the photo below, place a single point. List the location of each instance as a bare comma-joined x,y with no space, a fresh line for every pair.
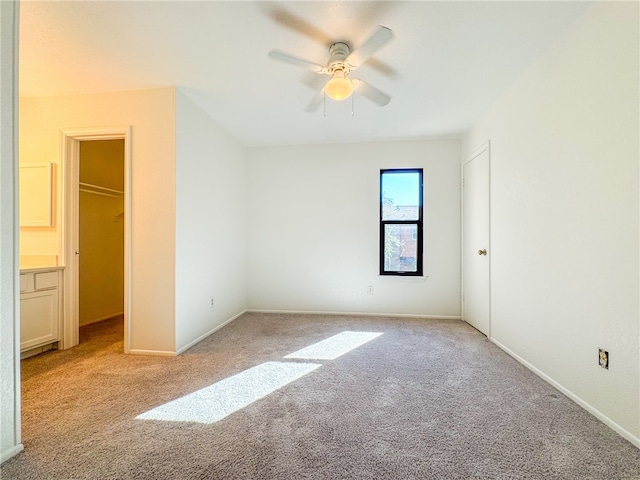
401,222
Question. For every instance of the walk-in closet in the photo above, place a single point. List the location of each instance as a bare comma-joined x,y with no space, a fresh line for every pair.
101,214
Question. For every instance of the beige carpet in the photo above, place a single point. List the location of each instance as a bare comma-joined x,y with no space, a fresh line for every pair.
425,399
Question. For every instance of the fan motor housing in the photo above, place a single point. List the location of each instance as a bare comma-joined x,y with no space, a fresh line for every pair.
339,52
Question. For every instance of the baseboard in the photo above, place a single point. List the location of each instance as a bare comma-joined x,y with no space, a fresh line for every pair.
202,337
37,350
299,312
11,452
589,408
157,353
161,353
359,314
101,319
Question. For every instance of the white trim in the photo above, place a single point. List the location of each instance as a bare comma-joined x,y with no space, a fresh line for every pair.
403,278
357,314
157,353
589,408
69,182
213,330
11,452
10,444
479,151
100,319
15,246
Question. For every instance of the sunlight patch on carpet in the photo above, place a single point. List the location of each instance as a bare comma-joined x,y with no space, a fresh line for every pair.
215,402
334,347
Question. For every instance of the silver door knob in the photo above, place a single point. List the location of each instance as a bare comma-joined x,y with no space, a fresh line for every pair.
482,252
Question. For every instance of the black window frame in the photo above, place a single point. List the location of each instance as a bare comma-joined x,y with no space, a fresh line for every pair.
418,223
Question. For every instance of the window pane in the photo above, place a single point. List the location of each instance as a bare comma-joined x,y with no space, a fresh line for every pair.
400,248
400,195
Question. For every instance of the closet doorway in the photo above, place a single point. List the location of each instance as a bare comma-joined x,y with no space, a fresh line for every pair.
101,231
97,229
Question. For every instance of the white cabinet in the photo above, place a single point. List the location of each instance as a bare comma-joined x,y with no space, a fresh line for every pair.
39,309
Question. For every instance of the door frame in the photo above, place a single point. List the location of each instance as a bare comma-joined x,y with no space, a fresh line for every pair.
70,156
486,147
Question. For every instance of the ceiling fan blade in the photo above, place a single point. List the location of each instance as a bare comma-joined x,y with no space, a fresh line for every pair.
300,62
315,102
379,38
369,91
297,24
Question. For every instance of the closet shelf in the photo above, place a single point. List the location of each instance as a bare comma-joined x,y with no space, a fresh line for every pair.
98,190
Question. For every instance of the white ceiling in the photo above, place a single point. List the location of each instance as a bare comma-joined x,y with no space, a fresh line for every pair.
448,63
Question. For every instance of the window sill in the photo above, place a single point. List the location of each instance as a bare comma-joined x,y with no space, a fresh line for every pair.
403,278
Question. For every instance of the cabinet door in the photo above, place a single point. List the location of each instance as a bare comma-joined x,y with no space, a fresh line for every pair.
26,282
38,318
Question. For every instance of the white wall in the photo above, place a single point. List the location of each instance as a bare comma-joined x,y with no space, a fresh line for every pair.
210,224
314,234
101,273
10,437
564,225
151,113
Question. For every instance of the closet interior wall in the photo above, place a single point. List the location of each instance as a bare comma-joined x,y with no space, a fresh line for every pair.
101,294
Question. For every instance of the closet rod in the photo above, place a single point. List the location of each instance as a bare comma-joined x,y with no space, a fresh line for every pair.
91,188
100,193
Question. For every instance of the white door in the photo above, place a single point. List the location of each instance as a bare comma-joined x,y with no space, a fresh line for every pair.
476,251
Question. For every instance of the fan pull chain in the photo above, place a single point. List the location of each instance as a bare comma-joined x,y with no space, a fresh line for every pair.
324,103
353,113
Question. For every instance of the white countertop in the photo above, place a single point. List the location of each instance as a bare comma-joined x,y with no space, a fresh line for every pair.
36,263
40,269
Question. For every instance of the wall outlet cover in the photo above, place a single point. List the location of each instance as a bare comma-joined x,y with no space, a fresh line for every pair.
603,358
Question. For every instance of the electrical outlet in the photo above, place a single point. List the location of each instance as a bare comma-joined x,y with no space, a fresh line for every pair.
370,290
211,302
603,358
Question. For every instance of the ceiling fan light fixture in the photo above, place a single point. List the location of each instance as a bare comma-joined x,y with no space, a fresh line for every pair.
339,87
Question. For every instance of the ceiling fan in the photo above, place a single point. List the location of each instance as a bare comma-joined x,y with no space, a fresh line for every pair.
342,61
